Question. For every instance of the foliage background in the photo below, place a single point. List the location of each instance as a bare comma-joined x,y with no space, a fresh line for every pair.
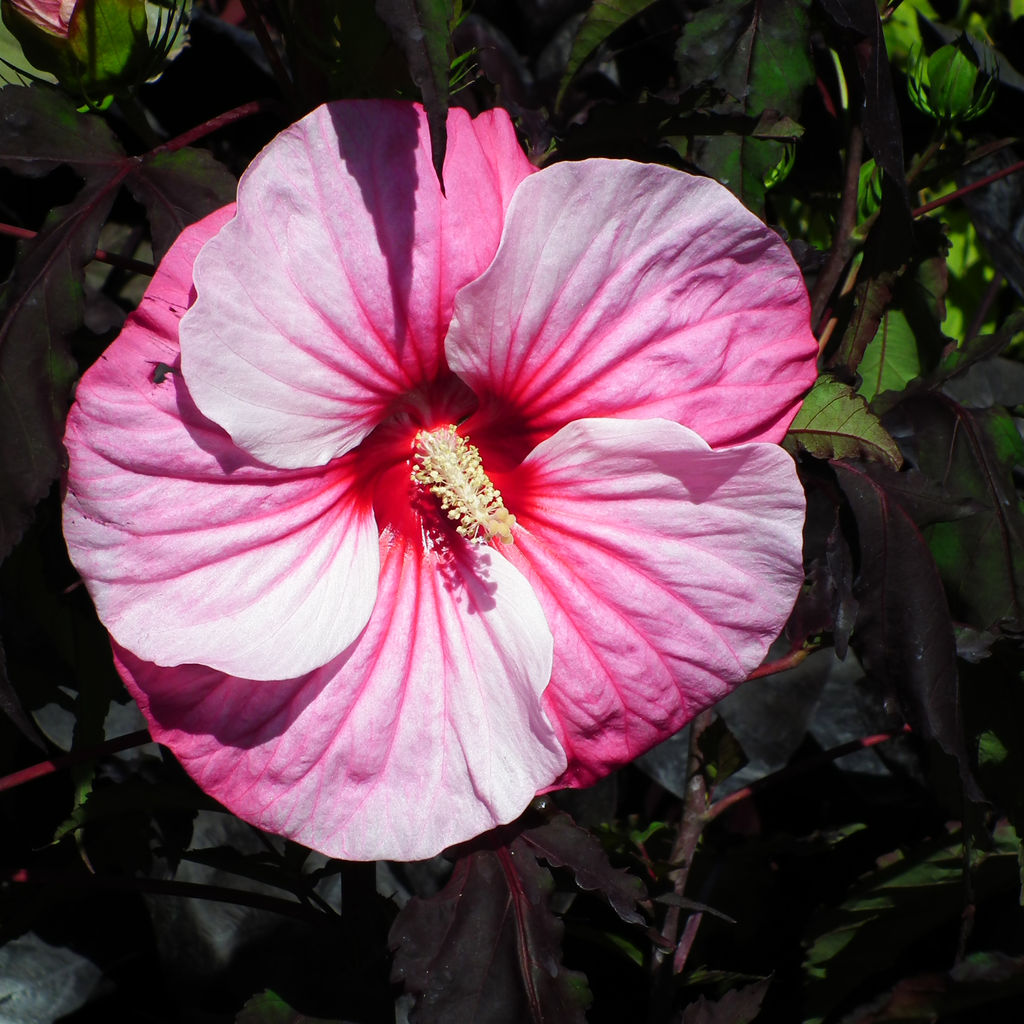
880,885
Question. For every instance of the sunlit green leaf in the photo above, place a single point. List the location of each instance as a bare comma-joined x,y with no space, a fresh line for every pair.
834,422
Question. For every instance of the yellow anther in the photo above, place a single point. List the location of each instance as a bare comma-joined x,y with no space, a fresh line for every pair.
450,468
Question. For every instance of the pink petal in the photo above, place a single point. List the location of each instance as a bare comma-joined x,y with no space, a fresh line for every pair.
633,290
424,733
665,570
328,297
193,551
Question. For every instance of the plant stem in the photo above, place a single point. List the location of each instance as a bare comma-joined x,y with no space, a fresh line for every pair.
694,808
841,250
792,770
936,145
980,183
110,258
220,121
984,306
791,660
37,771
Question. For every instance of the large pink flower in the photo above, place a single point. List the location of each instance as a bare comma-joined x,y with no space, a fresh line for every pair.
290,524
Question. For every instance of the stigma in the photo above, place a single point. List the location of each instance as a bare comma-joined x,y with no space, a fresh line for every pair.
451,469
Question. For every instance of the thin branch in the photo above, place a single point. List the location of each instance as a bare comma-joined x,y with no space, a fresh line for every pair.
37,771
164,887
694,810
980,183
791,660
220,121
110,258
791,771
281,75
841,250
984,306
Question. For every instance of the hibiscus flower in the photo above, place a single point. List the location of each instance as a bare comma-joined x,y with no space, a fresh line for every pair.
401,508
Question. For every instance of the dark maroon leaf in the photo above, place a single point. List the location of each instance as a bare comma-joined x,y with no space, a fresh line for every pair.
487,948
844,605
926,501
997,211
43,304
974,453
812,613
904,633
740,1006
880,118
563,844
11,706
178,189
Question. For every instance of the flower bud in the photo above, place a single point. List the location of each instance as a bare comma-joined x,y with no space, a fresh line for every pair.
950,85
52,16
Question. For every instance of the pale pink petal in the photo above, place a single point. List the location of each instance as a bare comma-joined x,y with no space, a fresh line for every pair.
634,290
51,16
426,732
193,551
327,299
665,570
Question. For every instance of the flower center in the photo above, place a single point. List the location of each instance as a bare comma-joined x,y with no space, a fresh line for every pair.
451,468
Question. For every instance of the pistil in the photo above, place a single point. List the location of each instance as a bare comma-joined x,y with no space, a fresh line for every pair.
451,469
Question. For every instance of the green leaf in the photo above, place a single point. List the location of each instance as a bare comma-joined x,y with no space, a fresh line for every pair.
269,1008
835,423
721,753
422,28
603,18
891,909
110,40
891,359
759,55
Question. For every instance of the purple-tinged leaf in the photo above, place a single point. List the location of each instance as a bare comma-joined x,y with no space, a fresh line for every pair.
740,1006
11,706
880,117
178,189
563,844
974,453
904,633
926,501
839,559
487,948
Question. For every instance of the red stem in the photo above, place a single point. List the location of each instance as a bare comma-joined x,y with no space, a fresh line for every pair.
791,660
220,121
133,739
799,768
980,183
110,258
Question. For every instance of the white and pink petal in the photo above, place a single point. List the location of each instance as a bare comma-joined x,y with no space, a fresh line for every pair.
193,551
634,290
426,732
326,301
665,570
